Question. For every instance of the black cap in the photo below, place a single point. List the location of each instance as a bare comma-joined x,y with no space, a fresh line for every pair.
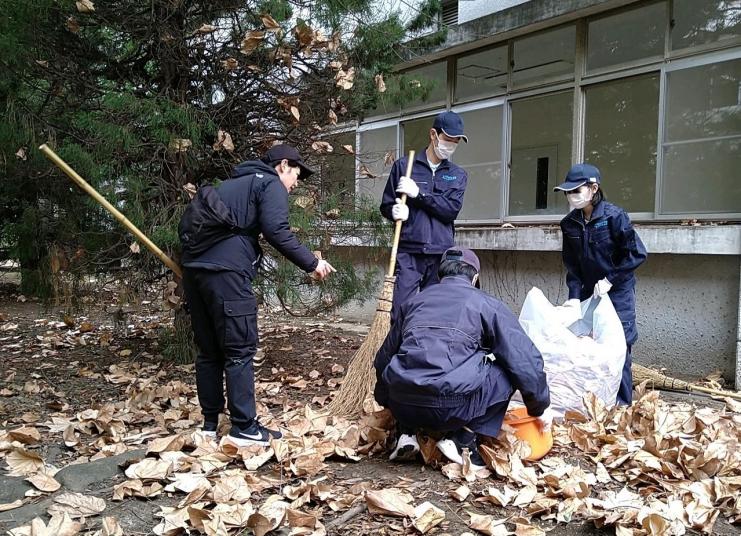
287,152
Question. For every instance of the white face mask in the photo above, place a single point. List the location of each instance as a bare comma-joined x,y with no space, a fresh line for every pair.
580,199
444,149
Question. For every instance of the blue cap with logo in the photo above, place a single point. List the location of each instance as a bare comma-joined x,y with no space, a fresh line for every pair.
451,124
579,175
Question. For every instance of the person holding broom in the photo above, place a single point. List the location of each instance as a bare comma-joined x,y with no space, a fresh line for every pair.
434,198
451,362
601,252
219,234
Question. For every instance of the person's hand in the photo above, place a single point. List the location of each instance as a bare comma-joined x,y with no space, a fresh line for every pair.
575,303
400,211
545,421
322,270
602,287
407,186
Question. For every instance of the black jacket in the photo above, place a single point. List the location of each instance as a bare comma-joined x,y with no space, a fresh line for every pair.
258,200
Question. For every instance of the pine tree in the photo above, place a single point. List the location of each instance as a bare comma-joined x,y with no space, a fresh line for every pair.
146,99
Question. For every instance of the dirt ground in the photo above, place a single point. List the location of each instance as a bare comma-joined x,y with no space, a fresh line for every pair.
46,373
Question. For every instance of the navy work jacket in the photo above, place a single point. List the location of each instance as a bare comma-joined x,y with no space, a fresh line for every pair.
605,247
435,354
258,200
429,228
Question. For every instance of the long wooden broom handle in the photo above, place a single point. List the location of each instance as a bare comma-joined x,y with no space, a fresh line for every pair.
397,229
92,192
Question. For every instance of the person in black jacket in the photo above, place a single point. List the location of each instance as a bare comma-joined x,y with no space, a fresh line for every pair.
218,288
453,360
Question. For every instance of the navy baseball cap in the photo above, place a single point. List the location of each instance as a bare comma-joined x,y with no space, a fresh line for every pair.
462,255
287,152
579,175
451,125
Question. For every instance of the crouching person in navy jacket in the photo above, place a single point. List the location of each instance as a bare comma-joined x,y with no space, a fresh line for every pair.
452,361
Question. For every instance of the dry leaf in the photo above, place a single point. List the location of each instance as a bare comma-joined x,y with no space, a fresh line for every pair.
25,434
230,64
206,29
488,525
23,462
149,469
21,154
349,149
165,444
85,6
295,113
426,516
390,502
110,527
332,117
180,145
59,525
251,41
223,141
77,505
44,482
270,23
73,25
380,84
345,79
11,506
460,493
322,147
134,247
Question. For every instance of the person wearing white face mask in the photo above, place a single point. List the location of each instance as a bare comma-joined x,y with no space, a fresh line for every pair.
601,252
434,199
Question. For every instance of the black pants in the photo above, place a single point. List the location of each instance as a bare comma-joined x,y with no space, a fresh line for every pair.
223,312
414,272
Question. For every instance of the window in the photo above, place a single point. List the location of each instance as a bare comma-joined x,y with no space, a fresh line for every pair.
338,169
433,76
698,22
377,154
702,146
628,36
621,125
481,157
481,74
540,153
416,133
544,57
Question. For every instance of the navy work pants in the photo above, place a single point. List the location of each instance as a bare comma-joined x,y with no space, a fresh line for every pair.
414,272
223,313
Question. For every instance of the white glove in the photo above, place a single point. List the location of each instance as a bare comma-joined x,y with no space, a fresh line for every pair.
407,186
400,211
575,303
322,270
602,287
546,420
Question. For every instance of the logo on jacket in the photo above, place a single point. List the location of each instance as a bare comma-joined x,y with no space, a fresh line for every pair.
449,178
600,224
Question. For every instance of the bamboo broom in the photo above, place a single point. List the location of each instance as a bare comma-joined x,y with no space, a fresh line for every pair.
92,192
361,378
657,380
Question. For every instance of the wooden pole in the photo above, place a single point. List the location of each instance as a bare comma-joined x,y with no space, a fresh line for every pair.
397,228
92,192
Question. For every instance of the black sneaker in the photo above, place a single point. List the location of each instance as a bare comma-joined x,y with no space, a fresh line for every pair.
452,448
254,434
407,446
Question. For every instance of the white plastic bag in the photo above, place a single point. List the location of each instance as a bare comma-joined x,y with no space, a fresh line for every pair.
582,350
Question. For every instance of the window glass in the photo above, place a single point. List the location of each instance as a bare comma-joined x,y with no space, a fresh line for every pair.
628,36
621,127
481,74
544,56
540,153
697,22
375,157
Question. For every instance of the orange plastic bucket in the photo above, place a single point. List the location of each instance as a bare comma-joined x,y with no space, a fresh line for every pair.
526,429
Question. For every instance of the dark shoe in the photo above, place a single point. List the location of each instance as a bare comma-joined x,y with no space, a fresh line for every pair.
254,434
453,445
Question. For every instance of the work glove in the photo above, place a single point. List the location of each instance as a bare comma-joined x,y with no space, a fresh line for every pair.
407,186
575,303
602,287
400,211
545,421
322,270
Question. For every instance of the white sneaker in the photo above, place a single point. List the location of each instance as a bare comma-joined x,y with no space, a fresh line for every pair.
406,449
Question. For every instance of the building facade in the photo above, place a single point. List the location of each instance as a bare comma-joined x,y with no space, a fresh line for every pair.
648,91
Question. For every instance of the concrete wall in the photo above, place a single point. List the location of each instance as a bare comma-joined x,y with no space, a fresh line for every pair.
473,9
687,305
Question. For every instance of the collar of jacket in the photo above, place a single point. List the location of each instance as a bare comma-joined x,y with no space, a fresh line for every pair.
456,280
422,158
253,166
578,215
